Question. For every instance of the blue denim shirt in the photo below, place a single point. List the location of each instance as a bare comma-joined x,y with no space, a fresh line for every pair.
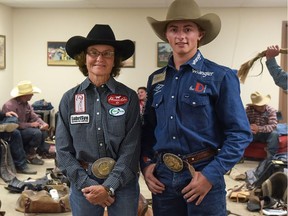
280,76
92,125
195,108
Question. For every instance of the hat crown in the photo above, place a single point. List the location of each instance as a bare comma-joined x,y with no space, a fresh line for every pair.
258,99
178,8
101,32
25,87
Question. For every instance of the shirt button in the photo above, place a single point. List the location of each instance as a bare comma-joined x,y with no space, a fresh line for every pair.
176,78
99,129
172,96
171,117
194,103
97,113
173,137
101,144
97,99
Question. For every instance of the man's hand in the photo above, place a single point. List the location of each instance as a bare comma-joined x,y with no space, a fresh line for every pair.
197,189
11,113
254,128
153,184
97,195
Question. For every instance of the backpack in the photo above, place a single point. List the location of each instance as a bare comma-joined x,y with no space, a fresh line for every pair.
255,177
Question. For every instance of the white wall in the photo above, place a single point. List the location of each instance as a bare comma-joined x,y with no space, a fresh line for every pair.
6,75
244,33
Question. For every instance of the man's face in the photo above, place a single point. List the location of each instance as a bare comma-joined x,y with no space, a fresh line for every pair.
260,108
183,37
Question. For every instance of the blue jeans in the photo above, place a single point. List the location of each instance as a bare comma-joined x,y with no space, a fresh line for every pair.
126,202
9,119
272,140
171,201
34,138
16,148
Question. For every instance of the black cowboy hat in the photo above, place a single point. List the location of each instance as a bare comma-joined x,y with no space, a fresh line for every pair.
100,34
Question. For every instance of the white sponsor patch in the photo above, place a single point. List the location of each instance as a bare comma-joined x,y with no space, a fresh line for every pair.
79,119
116,111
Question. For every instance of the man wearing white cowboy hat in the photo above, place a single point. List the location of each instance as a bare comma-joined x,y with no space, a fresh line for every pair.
194,118
32,128
263,122
98,128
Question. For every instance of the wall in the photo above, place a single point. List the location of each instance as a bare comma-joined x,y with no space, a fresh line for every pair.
244,33
6,75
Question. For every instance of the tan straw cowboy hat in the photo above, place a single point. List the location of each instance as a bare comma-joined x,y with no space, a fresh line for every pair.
188,10
24,87
259,100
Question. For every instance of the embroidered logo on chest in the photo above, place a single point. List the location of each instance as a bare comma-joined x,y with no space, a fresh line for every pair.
117,99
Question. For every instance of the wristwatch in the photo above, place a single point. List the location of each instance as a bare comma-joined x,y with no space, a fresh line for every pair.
110,191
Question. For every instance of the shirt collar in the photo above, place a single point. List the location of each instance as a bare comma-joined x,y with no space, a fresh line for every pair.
111,84
195,62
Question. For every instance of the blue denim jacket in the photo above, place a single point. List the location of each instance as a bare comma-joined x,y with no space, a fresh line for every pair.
195,108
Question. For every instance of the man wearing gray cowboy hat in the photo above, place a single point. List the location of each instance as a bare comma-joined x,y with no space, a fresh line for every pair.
195,126
98,130
32,128
263,122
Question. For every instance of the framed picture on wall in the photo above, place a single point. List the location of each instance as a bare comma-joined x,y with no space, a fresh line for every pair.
164,51
57,55
2,52
130,63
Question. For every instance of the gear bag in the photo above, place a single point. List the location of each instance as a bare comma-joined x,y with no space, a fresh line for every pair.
255,177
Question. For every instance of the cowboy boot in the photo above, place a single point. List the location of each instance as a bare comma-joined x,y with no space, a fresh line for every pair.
10,161
5,173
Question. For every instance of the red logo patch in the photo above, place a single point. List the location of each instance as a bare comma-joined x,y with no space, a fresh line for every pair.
117,100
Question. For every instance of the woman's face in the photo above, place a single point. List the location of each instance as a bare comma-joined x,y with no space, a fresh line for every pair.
100,60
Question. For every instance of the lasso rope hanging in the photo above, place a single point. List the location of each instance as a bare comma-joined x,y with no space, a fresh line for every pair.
244,69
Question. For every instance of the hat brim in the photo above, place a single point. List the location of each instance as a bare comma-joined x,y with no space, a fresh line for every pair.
15,92
75,45
210,23
263,102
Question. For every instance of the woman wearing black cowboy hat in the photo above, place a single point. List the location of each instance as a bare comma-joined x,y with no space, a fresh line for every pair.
194,118
98,130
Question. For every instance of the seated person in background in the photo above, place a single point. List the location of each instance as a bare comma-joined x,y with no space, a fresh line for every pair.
142,96
32,128
11,135
263,122
280,76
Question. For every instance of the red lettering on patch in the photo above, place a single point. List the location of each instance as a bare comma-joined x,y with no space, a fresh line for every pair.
117,100
200,87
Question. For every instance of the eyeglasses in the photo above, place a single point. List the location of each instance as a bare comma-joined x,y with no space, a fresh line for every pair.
95,53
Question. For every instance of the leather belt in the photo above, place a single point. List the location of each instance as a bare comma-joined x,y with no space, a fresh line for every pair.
84,164
199,156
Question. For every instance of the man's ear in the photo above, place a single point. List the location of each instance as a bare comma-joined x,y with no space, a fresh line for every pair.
201,35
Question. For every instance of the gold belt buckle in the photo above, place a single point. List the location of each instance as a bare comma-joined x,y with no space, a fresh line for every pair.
102,167
173,162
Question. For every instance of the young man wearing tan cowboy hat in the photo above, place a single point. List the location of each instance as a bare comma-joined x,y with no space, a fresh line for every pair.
32,128
263,122
98,128
194,121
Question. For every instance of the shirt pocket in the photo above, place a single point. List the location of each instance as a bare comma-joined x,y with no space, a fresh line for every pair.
194,110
